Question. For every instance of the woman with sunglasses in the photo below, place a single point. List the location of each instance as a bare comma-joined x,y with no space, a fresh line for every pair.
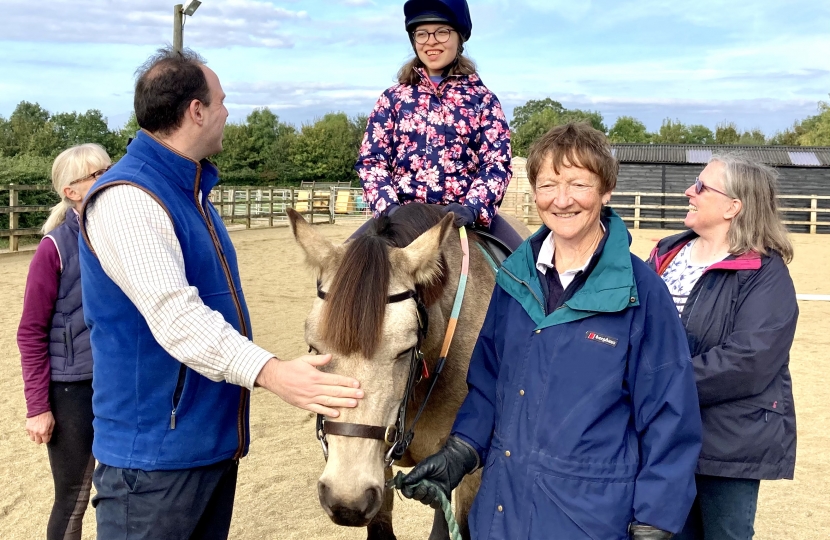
439,136
728,276
54,344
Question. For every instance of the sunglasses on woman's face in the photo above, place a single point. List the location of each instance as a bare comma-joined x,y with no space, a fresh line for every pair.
700,186
91,176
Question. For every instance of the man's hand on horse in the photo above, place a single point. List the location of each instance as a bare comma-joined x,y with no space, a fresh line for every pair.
444,470
464,215
299,383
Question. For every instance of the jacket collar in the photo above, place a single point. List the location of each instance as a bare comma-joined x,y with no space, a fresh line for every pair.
71,220
177,168
609,287
449,80
669,247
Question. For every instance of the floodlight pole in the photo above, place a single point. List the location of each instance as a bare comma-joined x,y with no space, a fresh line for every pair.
178,38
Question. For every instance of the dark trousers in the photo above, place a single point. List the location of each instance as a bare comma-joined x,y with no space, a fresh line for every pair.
70,457
190,504
724,509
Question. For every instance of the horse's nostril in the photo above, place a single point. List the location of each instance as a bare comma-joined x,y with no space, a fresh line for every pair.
374,499
324,494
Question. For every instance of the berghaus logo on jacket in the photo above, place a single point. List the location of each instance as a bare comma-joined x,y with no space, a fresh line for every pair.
593,336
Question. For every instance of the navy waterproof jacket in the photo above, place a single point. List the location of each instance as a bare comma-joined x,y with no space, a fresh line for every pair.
740,319
586,418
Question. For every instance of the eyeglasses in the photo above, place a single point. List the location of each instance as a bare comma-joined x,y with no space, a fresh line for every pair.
700,186
92,176
442,35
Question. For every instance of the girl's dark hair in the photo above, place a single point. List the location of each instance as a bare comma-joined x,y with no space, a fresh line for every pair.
167,83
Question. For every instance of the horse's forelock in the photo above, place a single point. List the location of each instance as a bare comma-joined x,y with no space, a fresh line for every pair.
355,307
352,319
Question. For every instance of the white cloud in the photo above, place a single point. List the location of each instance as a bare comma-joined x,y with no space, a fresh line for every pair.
253,23
570,10
323,97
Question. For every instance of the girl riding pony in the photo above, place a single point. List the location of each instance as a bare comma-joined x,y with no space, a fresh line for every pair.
439,136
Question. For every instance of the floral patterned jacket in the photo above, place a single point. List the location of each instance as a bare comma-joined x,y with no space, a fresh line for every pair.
436,145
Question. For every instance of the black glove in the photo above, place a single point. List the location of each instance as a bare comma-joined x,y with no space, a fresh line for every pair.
647,532
446,468
464,215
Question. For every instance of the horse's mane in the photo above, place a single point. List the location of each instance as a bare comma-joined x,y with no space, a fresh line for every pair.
355,307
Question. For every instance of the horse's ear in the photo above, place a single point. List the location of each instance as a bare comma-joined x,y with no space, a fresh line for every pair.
423,255
318,250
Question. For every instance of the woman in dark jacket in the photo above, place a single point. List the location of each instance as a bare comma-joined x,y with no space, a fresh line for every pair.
582,407
730,283
54,344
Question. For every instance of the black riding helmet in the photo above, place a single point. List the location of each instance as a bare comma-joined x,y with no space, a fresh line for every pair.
455,13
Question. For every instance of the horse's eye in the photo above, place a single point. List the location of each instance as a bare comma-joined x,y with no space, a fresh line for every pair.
404,354
313,350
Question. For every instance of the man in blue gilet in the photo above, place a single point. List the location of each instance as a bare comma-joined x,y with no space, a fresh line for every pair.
169,327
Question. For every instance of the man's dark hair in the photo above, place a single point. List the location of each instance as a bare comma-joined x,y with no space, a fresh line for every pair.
166,85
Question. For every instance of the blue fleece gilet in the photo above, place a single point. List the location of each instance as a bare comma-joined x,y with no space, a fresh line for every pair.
152,412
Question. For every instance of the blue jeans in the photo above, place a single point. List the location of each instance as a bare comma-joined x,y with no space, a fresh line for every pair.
190,504
724,509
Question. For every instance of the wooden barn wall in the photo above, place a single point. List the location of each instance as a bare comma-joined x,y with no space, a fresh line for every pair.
675,178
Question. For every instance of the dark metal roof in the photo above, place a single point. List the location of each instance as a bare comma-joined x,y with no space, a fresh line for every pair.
787,156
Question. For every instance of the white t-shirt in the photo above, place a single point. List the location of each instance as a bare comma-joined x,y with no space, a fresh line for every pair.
682,274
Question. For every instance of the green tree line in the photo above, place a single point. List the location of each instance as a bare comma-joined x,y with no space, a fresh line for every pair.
538,116
263,150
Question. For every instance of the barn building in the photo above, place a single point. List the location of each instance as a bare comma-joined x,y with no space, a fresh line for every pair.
665,171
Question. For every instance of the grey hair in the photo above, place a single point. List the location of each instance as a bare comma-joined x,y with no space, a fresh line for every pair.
758,226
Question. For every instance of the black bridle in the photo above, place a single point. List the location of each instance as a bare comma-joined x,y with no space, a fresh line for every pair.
397,437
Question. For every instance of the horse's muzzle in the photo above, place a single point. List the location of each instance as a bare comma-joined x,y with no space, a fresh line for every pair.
356,513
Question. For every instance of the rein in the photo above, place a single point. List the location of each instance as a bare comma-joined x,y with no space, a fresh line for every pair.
398,436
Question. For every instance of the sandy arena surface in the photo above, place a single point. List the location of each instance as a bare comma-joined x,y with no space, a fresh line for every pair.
276,496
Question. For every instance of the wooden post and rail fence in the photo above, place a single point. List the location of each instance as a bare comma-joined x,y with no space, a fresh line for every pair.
256,206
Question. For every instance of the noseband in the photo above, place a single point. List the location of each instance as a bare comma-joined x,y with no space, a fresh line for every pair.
397,437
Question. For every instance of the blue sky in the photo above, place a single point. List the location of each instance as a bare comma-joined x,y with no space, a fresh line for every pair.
759,63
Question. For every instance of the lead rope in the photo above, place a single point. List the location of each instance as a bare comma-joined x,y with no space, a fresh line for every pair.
446,506
397,482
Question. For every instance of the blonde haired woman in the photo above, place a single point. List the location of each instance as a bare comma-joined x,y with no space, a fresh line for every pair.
54,344
728,276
